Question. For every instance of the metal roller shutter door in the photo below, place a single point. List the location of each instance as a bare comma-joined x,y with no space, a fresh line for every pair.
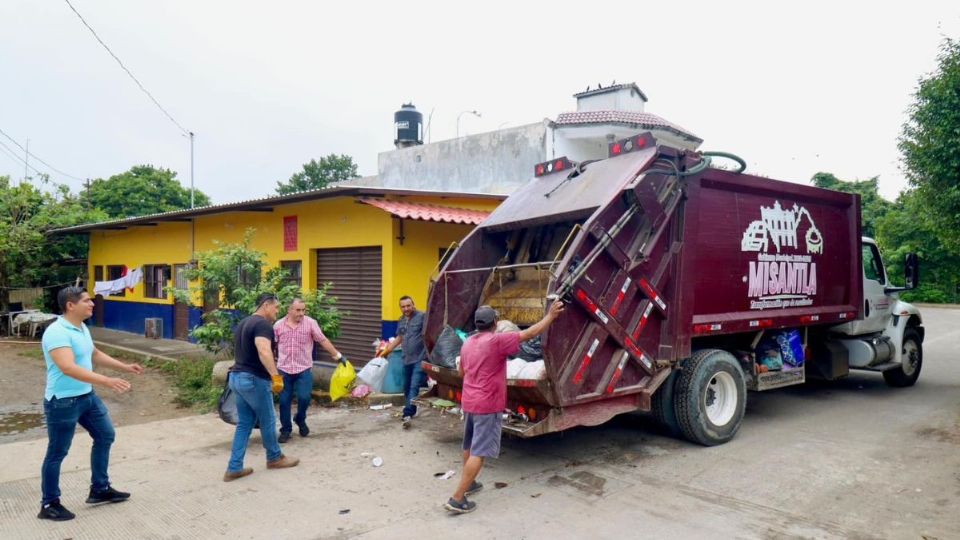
357,277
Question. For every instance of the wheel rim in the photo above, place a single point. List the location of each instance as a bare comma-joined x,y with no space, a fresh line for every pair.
910,357
720,398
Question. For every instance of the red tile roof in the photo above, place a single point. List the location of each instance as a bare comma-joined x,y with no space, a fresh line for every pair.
642,119
428,212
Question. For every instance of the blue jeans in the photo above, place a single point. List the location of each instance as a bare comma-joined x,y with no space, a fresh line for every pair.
414,378
254,403
300,384
62,416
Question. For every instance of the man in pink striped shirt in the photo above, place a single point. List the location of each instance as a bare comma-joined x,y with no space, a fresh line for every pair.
296,334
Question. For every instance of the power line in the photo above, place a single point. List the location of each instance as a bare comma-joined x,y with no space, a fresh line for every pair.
145,91
14,154
34,156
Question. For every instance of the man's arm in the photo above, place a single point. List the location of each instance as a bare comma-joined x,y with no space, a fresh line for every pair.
392,345
265,352
64,358
103,359
331,350
555,310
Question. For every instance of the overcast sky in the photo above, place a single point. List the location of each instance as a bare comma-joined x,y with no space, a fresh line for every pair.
793,87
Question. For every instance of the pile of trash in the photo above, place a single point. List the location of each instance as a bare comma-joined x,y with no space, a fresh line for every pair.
527,364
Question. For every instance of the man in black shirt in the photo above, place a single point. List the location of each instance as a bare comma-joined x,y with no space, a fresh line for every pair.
253,376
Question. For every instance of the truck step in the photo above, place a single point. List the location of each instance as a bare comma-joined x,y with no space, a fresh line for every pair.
881,367
776,379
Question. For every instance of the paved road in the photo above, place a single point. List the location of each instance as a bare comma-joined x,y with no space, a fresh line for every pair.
854,459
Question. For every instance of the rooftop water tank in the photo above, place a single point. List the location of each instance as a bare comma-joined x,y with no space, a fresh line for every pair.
407,126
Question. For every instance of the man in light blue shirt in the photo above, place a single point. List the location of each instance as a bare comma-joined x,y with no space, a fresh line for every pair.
70,400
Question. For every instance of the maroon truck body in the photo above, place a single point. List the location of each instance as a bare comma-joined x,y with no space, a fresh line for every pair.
657,260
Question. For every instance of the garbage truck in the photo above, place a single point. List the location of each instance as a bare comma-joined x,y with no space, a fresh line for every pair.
687,284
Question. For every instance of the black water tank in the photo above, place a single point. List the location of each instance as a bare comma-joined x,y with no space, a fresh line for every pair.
407,126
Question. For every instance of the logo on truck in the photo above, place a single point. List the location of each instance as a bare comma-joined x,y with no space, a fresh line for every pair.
782,275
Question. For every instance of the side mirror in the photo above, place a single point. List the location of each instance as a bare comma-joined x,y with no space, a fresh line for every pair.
911,271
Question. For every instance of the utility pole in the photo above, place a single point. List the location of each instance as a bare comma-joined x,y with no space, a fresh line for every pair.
191,170
26,161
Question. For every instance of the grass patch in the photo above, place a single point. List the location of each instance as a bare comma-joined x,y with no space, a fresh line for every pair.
193,381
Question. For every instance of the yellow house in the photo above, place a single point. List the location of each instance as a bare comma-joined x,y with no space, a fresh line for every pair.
373,244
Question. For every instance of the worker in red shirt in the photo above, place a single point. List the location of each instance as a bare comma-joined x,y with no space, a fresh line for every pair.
483,366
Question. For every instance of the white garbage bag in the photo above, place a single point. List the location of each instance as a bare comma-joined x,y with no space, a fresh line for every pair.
374,373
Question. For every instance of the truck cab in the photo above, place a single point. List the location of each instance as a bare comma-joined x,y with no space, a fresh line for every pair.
889,337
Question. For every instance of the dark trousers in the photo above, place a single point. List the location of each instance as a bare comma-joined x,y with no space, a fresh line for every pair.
299,384
62,416
414,378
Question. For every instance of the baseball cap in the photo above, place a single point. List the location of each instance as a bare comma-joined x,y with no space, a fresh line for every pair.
484,317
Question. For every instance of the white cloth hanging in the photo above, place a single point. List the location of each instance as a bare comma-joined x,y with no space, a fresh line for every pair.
133,278
106,288
129,281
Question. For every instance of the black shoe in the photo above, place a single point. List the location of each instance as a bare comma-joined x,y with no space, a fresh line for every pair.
55,512
284,437
108,495
460,507
304,430
474,487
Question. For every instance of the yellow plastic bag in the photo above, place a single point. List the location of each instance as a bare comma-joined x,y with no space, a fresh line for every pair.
342,380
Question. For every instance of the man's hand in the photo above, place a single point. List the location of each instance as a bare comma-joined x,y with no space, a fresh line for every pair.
118,385
277,385
136,369
556,308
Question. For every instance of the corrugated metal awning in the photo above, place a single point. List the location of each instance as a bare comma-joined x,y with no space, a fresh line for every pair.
428,212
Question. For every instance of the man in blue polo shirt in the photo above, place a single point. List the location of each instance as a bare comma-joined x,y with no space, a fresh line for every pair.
70,400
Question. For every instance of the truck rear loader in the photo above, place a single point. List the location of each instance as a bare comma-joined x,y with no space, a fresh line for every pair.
686,286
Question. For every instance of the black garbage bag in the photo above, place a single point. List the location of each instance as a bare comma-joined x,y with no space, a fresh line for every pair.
447,349
227,407
531,351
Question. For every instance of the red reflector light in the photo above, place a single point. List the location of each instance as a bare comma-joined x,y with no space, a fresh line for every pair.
540,170
761,323
616,149
559,166
706,328
809,318
640,142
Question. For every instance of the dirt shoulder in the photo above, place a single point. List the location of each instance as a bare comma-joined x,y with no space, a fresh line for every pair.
22,382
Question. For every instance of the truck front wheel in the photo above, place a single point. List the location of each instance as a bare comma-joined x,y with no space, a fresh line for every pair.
710,397
911,360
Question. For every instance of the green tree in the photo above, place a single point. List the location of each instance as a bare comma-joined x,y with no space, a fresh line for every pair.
908,229
930,144
141,191
29,257
320,174
235,273
873,207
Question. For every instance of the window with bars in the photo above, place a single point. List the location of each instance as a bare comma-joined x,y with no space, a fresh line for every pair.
155,277
116,272
180,281
294,272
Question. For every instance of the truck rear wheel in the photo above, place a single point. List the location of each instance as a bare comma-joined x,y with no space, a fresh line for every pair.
662,406
710,397
911,360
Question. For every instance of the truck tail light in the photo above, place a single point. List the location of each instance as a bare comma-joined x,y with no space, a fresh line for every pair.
552,166
761,323
624,146
809,318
